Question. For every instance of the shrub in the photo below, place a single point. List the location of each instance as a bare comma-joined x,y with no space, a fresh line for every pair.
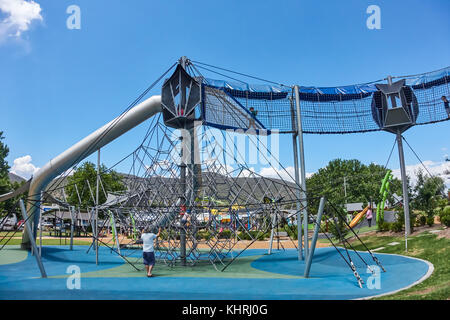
338,229
250,235
401,218
225,234
445,220
166,235
396,226
384,226
421,220
430,221
203,235
444,216
292,231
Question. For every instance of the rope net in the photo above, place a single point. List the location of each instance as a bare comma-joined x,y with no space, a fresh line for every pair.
324,110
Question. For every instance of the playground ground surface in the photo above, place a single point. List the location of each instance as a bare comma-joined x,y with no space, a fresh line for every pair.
254,275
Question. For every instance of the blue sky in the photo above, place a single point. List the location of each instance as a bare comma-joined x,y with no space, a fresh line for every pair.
58,85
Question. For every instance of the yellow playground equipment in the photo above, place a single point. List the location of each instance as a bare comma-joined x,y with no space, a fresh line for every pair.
358,217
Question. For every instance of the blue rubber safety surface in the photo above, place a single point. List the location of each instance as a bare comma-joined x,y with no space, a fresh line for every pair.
330,278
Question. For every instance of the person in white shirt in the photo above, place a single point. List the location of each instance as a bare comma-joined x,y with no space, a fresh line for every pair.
148,250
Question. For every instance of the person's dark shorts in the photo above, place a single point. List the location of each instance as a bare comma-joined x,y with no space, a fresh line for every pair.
149,258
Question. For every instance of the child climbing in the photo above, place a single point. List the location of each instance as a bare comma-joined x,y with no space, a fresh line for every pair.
148,236
253,114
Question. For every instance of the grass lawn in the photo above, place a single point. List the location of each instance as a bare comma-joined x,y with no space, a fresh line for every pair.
425,246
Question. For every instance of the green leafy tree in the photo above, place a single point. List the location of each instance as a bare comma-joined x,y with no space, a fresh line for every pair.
111,181
346,181
5,184
428,193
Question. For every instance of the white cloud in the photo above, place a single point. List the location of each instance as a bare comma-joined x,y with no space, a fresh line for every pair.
19,14
271,172
435,168
23,167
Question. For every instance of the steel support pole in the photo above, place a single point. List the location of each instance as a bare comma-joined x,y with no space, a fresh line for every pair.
33,242
297,181
314,238
302,170
71,210
404,183
184,156
183,192
40,226
115,231
96,206
272,233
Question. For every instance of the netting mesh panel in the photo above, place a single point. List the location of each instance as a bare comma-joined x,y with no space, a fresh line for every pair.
322,113
213,206
431,107
337,116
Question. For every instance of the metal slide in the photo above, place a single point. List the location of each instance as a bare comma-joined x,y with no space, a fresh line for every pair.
358,217
83,149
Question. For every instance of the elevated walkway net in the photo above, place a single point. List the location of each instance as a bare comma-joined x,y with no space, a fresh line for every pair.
324,110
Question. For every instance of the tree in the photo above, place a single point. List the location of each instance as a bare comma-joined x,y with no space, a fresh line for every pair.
111,181
4,151
5,184
428,193
346,181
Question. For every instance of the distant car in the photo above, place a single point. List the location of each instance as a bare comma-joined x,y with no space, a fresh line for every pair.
7,224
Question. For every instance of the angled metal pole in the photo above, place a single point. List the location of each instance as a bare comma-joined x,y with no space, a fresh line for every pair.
297,181
272,233
314,238
302,169
33,242
96,207
116,235
40,226
78,195
71,211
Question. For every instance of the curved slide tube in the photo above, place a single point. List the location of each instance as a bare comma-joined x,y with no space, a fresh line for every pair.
358,217
83,149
